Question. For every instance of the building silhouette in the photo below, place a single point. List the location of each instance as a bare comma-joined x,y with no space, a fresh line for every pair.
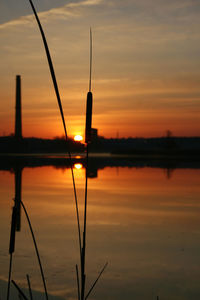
94,134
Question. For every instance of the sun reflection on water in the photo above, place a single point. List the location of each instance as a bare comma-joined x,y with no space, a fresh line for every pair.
78,166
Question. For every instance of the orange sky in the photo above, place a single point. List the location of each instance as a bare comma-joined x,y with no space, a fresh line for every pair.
146,66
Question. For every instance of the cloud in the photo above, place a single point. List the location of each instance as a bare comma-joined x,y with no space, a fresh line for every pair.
64,12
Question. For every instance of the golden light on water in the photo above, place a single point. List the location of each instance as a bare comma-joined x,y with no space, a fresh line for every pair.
78,138
78,166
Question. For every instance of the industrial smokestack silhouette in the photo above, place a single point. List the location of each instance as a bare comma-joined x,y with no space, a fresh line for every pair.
18,114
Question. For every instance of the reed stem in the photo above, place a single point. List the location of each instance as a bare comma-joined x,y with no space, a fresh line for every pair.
78,285
19,290
92,287
36,250
9,276
29,286
83,276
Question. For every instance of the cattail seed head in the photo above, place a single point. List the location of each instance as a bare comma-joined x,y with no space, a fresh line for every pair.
88,126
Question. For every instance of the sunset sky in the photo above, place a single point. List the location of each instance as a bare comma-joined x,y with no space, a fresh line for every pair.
146,66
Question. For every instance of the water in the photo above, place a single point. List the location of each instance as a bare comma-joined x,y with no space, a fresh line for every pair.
145,222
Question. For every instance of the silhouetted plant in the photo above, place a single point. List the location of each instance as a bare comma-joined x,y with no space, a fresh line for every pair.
88,128
53,76
29,287
82,243
19,290
36,250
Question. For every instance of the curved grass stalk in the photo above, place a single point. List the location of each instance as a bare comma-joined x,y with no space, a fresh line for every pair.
92,287
29,287
61,112
36,250
19,290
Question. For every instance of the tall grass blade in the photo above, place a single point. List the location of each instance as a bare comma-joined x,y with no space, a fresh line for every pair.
50,64
92,287
19,290
29,286
90,78
78,285
61,112
11,246
9,277
36,250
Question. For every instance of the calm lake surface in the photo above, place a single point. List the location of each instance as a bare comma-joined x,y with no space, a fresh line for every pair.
145,222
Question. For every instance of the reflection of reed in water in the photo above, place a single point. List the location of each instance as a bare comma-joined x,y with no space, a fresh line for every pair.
18,192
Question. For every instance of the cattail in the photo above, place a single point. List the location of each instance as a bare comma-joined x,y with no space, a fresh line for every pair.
88,125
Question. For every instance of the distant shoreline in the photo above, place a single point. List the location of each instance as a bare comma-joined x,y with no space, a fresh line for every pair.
9,162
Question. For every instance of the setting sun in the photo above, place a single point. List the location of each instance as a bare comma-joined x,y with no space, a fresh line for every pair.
78,138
